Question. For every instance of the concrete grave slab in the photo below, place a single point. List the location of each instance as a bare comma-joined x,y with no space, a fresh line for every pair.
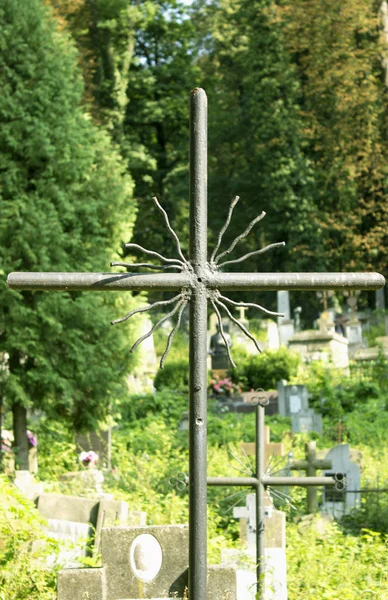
143,562
78,584
150,567
76,519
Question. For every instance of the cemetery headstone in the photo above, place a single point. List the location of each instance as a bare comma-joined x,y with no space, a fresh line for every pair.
292,399
7,444
242,318
26,483
218,351
380,299
310,464
272,340
143,562
271,449
339,503
323,344
306,420
79,521
90,479
285,324
275,551
353,332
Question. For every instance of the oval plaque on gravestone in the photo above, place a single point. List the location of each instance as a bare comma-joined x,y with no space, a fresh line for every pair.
146,557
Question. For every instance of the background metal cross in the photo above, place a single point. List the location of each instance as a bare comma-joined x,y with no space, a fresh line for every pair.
200,282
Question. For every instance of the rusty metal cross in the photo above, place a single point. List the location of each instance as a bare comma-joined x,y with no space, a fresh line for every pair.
197,281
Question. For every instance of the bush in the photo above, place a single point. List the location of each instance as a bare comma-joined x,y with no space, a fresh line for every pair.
168,404
264,370
23,549
174,376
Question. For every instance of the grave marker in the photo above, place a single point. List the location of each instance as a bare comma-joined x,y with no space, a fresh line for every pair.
73,518
341,502
197,281
311,464
285,323
306,420
271,449
143,562
292,399
275,550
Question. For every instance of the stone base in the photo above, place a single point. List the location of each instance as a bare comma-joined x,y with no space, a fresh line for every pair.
275,574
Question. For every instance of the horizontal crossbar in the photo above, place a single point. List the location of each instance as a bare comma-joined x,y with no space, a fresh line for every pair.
297,281
299,481
267,480
177,281
99,281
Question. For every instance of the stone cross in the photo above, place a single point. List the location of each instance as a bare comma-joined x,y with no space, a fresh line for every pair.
197,281
271,449
242,310
261,482
310,464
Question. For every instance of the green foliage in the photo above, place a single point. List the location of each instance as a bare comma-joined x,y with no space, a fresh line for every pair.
56,447
266,369
255,131
337,52
174,376
180,346
24,549
167,403
62,186
377,327
353,563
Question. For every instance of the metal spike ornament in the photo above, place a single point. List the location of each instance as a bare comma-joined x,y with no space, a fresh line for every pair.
217,300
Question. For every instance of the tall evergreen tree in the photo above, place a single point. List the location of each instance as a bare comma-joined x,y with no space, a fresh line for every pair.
254,124
162,73
338,49
65,204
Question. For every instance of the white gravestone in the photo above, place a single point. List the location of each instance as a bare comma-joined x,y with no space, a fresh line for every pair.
339,503
292,399
275,552
285,324
272,342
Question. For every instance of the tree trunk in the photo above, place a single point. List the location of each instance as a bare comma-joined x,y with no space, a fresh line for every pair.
19,413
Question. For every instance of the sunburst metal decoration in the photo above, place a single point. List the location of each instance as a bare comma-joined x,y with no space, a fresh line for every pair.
217,300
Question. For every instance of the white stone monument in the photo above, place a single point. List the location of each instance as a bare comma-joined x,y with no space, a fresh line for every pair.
285,324
275,552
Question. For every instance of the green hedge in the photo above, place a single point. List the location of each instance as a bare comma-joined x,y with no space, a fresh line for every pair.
266,369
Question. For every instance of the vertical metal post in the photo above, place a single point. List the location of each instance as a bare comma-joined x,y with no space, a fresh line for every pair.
260,492
311,471
198,349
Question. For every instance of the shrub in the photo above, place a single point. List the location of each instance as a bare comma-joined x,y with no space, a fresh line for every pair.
174,376
264,370
168,404
23,549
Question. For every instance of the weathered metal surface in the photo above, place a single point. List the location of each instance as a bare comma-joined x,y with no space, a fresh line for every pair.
177,281
298,481
198,348
260,493
225,481
296,281
99,281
